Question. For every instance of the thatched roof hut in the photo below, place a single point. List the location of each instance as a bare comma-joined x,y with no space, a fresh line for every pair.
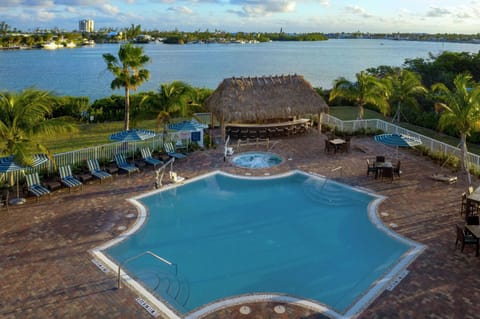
259,99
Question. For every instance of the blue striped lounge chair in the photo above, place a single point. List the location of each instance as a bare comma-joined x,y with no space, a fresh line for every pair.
96,171
168,146
124,165
35,187
149,159
67,178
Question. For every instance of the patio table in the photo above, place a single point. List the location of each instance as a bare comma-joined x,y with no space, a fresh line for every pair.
337,142
473,201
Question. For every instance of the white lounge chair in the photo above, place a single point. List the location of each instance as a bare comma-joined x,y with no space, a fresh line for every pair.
444,178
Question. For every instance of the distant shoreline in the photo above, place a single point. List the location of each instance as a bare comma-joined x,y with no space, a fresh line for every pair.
473,41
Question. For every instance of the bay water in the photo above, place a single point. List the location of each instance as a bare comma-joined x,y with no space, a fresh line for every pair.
82,71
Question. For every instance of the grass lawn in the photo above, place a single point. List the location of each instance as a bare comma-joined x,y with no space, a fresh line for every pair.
89,135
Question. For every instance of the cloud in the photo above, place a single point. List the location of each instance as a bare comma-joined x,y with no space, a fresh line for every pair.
181,10
359,11
437,12
109,9
256,8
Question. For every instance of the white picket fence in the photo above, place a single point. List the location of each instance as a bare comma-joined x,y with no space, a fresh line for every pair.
429,143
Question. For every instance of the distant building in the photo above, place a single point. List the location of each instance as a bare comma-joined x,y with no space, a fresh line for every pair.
85,25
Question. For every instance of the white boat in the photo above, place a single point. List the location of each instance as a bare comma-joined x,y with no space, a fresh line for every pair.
88,42
70,45
50,46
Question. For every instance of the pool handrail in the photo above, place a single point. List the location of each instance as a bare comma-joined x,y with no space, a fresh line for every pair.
148,252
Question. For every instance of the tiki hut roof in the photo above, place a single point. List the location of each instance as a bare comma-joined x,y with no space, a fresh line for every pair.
260,98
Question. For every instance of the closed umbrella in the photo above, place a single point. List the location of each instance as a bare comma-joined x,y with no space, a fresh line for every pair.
397,140
8,165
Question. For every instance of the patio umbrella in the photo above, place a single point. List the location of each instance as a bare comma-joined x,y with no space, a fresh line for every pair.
8,165
133,135
397,140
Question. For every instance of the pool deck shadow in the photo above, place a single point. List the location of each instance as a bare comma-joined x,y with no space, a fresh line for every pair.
46,270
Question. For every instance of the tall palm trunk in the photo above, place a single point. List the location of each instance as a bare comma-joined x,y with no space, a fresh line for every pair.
464,161
127,109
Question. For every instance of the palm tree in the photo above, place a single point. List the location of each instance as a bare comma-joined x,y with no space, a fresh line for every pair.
23,118
404,86
460,110
177,98
128,72
366,90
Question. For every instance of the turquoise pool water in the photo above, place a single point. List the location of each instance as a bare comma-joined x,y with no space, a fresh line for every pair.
298,235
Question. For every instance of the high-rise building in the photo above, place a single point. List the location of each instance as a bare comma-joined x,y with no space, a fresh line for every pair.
85,25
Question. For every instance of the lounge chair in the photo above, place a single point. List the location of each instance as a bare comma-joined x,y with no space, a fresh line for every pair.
168,146
124,165
149,159
444,178
67,179
35,187
96,171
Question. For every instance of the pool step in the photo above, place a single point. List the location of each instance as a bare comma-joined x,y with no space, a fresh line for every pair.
327,193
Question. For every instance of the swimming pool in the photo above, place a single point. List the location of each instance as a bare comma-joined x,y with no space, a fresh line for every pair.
292,235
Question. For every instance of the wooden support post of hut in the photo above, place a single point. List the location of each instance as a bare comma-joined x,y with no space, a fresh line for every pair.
264,99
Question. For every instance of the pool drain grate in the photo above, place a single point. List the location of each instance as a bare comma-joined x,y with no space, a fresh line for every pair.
397,280
97,263
147,307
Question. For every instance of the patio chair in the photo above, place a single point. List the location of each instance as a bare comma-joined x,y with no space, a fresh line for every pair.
387,172
371,168
124,165
396,169
168,146
329,146
4,198
464,238
463,208
149,159
67,179
380,159
472,220
96,171
35,187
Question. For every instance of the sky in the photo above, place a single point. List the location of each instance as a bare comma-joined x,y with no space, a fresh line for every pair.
380,16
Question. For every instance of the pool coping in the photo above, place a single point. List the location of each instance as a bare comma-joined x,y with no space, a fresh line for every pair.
354,309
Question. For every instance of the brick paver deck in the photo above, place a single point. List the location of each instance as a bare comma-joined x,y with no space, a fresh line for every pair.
46,269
